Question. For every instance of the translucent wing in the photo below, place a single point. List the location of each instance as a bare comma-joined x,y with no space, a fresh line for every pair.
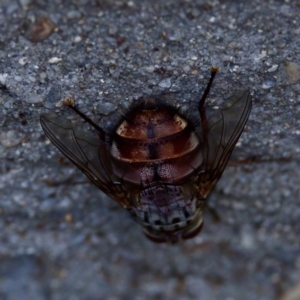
86,151
224,129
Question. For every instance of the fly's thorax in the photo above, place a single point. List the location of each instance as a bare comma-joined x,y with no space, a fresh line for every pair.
168,213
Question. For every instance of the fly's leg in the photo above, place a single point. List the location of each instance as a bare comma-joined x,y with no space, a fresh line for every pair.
213,212
70,103
213,73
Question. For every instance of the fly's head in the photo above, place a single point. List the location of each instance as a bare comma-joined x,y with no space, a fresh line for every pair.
169,213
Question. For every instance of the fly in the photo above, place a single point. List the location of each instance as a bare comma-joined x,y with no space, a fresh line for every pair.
159,164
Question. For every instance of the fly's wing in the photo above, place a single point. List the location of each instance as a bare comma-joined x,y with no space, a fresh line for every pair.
86,151
224,129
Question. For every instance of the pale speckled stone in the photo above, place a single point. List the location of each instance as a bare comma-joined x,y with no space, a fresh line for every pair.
33,98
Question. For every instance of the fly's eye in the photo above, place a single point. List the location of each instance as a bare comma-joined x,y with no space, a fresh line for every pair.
186,213
175,220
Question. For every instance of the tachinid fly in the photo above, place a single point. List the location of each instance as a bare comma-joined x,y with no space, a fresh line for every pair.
158,164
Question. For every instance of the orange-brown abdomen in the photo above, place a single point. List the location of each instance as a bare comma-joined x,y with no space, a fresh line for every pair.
155,145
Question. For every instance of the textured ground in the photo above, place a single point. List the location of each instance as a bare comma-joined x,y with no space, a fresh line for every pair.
72,242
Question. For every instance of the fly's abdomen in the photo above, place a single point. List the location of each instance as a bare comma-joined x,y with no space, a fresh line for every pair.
153,145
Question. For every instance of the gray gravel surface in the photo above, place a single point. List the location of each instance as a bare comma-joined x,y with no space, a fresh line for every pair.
71,241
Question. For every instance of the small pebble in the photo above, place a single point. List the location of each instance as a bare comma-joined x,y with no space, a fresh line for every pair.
22,61
292,70
273,68
10,138
54,60
33,98
267,84
165,83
